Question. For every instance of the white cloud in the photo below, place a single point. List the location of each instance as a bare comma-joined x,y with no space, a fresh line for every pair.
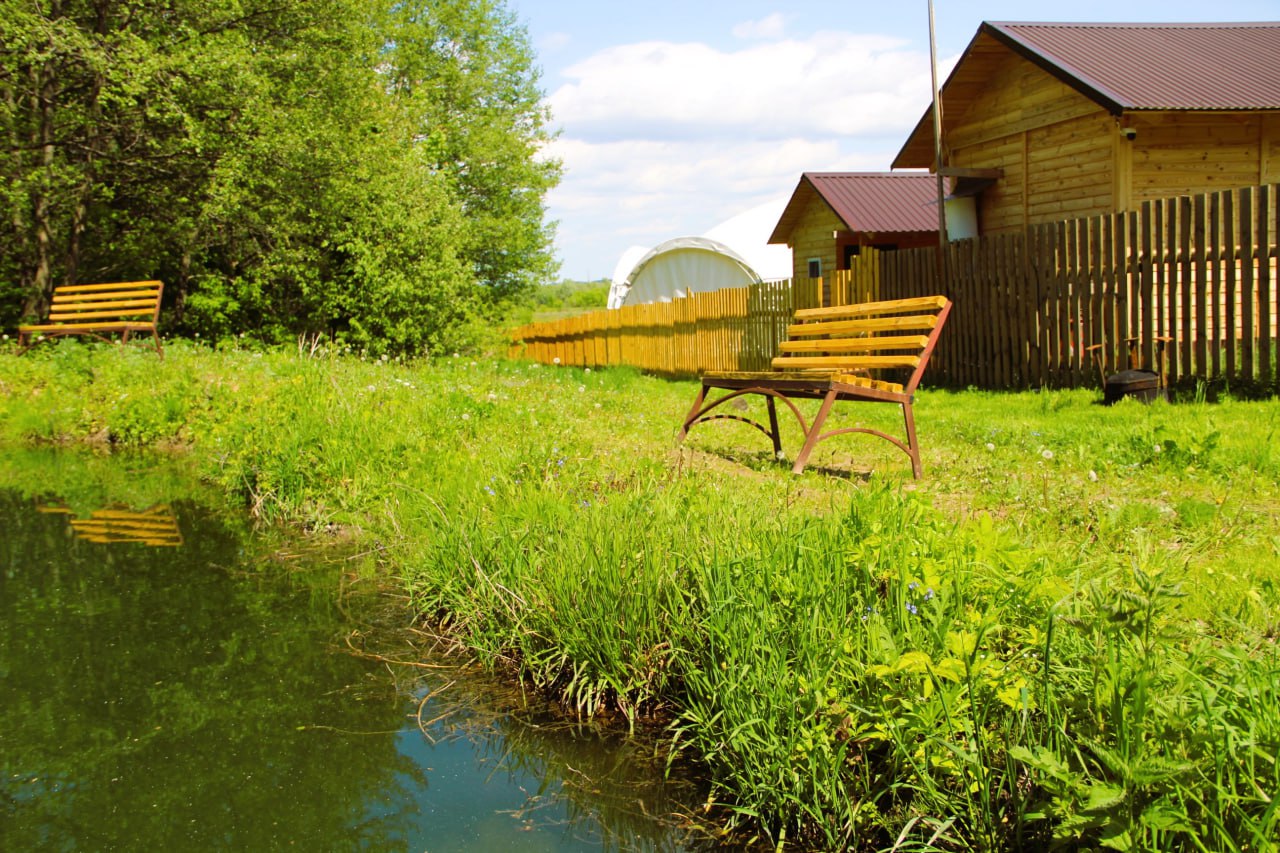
664,139
841,83
553,42
770,27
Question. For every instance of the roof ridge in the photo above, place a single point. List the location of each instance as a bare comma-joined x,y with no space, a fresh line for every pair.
1181,25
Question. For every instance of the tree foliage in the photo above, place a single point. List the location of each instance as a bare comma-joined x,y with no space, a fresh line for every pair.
365,171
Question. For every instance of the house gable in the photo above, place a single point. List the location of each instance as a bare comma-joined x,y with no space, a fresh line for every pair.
829,212
1069,146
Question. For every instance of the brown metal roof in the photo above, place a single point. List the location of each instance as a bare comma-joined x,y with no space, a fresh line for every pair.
866,201
1158,66
1121,67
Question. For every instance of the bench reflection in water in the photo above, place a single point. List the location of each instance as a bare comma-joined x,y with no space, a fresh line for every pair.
157,526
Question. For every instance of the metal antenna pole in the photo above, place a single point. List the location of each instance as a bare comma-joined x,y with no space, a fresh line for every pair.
937,154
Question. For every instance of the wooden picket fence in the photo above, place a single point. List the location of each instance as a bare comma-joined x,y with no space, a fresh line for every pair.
730,329
1188,283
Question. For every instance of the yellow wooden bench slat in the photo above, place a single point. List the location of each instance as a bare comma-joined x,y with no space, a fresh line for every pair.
864,309
100,326
846,362
116,285
913,342
858,327
112,298
820,378
73,312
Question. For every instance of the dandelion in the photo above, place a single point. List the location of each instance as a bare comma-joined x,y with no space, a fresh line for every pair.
555,360
1047,454
1158,448
597,405
466,416
582,388
586,370
1093,476
384,357
990,446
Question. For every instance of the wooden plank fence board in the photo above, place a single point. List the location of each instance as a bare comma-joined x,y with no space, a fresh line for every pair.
1213,248
1229,263
1247,294
1265,306
1200,286
1185,304
1146,286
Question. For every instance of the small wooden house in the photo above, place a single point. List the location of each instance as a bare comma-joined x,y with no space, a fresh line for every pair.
832,215
1044,122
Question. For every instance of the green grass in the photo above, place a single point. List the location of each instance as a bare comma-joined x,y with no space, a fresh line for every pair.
1064,635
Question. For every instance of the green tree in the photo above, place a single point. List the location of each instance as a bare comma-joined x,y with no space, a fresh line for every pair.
368,172
463,70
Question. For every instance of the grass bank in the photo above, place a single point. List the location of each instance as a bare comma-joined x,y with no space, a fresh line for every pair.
1064,633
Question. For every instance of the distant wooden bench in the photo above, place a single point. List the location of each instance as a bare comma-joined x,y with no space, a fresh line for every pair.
100,310
833,354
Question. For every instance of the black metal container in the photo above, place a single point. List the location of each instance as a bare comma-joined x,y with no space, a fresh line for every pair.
1142,385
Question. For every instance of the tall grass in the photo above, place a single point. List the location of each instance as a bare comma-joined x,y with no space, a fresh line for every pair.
1063,637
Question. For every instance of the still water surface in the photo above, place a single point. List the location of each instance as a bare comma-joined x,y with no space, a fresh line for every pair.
174,690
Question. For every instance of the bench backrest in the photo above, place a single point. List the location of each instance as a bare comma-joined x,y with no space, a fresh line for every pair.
851,342
130,301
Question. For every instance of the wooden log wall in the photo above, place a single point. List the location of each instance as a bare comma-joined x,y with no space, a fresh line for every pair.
1190,284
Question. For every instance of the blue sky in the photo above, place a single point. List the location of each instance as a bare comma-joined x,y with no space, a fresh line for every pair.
675,116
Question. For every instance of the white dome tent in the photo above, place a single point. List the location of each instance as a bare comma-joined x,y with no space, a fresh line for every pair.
735,253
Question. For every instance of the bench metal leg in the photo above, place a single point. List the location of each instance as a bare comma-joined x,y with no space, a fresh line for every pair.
773,428
913,449
693,413
814,434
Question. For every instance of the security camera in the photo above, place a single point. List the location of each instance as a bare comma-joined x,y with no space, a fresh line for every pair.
1129,133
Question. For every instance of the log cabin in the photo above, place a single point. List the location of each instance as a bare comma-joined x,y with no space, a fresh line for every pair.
1043,122
831,216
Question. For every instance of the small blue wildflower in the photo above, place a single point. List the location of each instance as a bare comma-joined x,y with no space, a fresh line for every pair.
585,504
489,489
929,594
912,585
560,462
911,608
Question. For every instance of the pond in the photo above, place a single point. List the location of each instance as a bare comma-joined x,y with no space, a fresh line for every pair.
171,680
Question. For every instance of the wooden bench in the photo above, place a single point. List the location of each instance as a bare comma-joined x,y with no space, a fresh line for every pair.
838,353
100,310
